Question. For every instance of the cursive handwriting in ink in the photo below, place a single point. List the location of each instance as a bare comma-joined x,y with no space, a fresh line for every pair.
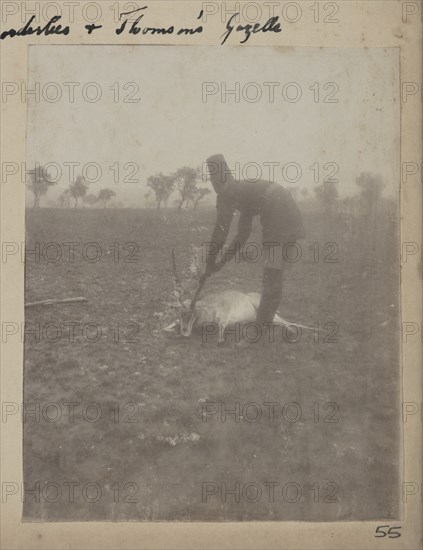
49,28
193,31
92,27
136,29
271,25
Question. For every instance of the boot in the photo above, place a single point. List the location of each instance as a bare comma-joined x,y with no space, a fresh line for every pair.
269,303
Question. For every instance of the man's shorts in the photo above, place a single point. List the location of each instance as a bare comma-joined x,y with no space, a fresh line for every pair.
282,227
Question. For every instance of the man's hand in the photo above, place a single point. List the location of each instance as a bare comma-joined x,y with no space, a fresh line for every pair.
215,268
218,266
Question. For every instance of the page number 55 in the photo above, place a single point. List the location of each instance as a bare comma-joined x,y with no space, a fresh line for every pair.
385,530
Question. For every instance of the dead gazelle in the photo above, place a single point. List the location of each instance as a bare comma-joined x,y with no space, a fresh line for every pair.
216,312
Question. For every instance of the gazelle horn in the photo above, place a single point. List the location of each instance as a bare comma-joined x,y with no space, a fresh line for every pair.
177,281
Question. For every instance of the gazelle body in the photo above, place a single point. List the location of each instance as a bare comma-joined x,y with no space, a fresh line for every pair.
224,309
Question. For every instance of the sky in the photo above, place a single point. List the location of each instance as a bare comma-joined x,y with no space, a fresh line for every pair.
176,124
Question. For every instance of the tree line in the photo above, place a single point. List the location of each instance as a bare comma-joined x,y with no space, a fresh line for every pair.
41,181
185,182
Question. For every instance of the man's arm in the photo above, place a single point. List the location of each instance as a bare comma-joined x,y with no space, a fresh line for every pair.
245,224
225,213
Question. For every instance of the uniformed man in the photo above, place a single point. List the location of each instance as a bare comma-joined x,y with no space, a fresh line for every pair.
280,220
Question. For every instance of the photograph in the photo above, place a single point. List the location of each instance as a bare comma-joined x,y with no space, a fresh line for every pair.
212,284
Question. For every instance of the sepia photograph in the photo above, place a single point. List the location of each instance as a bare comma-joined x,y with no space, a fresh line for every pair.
212,284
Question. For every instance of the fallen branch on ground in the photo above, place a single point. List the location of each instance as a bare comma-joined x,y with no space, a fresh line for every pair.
59,301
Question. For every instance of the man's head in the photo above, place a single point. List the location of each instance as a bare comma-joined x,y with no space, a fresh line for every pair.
220,175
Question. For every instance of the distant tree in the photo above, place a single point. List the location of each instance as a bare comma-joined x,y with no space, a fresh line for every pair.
162,187
40,182
186,184
105,195
349,205
147,197
61,199
304,193
199,194
67,196
370,190
64,198
78,189
327,194
166,200
90,199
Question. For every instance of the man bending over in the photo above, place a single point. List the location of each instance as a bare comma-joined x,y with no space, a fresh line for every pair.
280,220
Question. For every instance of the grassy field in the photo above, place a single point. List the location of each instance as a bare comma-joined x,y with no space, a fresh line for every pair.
152,460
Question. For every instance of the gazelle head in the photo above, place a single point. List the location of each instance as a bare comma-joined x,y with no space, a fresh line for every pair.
186,314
